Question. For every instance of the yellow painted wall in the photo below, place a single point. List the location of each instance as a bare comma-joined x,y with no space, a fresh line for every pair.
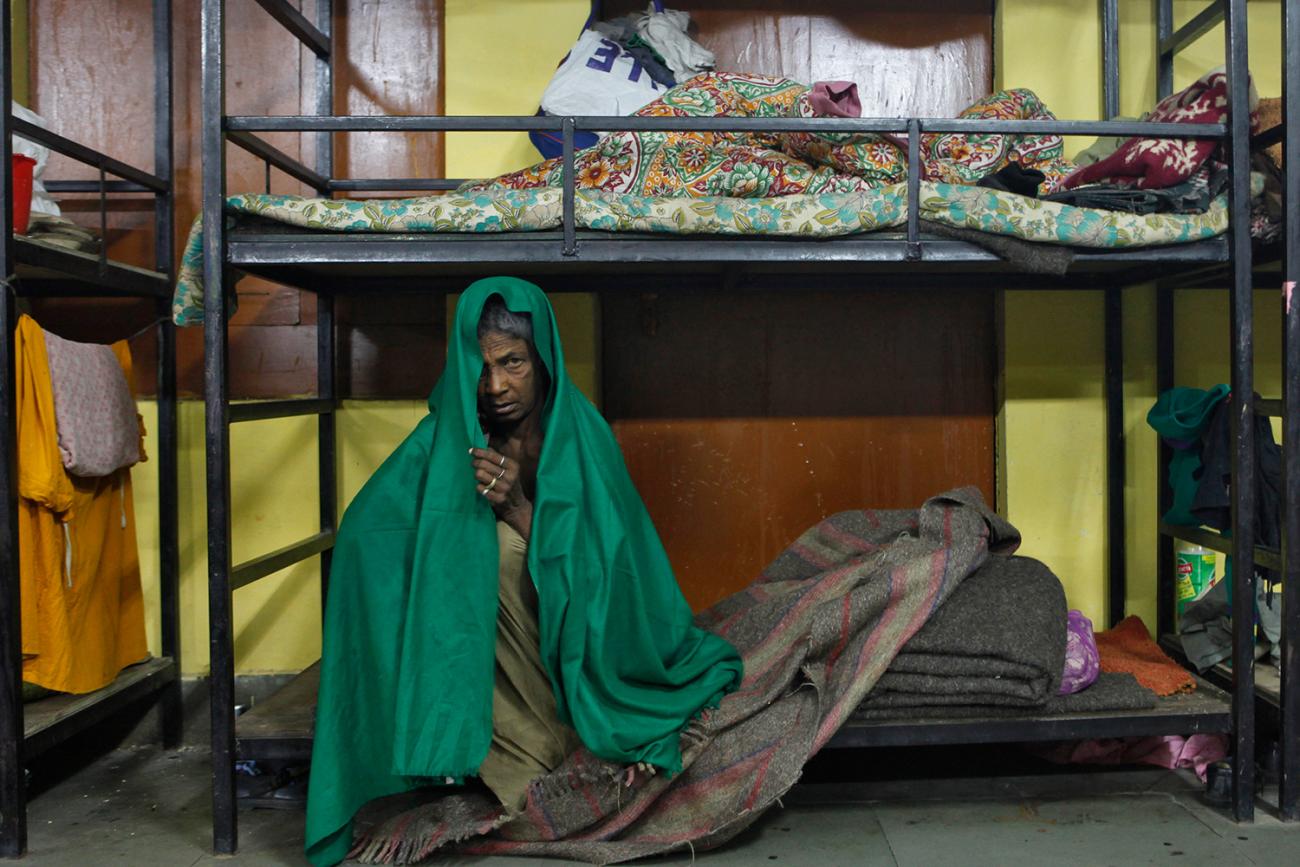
499,55
1054,414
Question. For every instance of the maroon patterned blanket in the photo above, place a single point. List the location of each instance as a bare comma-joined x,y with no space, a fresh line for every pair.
816,630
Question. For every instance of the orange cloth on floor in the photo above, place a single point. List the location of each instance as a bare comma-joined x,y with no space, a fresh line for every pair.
79,570
1127,647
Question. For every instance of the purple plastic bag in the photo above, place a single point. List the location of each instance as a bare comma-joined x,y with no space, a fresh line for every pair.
1082,661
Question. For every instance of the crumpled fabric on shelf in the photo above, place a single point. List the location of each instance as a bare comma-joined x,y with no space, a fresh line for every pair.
1082,659
1197,752
665,32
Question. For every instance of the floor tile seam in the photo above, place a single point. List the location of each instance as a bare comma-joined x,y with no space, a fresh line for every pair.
1196,814
884,833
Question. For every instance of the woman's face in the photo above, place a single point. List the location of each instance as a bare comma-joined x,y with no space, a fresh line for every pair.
510,385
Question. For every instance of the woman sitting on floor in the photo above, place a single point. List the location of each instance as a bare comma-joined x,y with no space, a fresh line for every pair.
498,594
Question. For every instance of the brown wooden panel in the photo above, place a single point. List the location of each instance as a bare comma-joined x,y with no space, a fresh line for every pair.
390,64
927,57
92,74
744,419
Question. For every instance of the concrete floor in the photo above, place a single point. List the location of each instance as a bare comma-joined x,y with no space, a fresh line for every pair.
144,807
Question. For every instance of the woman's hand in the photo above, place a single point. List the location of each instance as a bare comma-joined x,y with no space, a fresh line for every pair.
498,483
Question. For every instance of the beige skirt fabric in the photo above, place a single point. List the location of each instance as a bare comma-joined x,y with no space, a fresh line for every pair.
528,739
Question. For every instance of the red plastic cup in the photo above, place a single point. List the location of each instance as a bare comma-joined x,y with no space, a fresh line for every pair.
22,195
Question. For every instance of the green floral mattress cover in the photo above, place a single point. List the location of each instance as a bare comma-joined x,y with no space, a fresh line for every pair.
822,215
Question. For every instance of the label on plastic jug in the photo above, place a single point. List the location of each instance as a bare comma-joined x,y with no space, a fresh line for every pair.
1195,574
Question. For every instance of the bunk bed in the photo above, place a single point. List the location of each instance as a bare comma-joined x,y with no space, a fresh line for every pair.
1277,705
329,263
39,270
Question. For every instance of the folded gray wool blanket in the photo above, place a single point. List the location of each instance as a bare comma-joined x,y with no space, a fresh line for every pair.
1113,691
999,639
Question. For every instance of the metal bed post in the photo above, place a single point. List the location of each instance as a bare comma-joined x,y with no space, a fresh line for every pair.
1110,58
1164,59
1116,567
13,808
326,446
168,495
217,417
1165,603
1242,400
1289,788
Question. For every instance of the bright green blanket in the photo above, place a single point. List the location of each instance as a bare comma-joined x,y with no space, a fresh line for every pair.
410,625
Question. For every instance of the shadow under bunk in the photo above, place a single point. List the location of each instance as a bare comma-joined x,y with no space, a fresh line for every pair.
350,261
281,728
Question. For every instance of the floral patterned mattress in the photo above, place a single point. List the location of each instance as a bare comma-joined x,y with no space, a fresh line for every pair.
823,215
812,185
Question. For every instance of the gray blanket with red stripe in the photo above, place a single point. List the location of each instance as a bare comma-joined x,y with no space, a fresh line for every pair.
816,630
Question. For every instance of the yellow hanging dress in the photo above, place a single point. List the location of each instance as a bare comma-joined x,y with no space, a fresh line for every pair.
79,570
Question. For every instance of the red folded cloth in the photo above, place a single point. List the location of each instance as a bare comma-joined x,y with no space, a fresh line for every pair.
1153,163
1128,648
835,99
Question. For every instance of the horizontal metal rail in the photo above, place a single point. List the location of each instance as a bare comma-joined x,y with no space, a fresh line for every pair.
294,21
1268,407
259,567
267,409
89,156
1193,30
899,126
70,273
1269,558
348,185
1267,138
94,187
271,154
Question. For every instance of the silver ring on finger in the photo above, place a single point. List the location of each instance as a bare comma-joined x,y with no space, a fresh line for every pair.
503,460
501,474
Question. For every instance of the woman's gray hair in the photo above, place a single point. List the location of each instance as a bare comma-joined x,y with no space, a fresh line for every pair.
498,317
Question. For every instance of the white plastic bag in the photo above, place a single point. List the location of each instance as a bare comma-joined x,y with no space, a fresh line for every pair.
599,78
41,201
665,31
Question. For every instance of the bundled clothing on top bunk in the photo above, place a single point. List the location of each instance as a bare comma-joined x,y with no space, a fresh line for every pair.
758,165
46,222
79,569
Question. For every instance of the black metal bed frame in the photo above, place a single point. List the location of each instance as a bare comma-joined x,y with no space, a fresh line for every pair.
332,263
31,269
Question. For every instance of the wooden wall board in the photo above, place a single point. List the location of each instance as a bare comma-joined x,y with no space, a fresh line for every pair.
746,418
91,78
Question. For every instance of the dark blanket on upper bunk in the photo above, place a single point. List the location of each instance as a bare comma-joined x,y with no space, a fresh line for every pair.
1029,257
815,630
1112,691
998,640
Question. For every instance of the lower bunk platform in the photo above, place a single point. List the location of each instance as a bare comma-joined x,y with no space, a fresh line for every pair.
50,721
280,728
